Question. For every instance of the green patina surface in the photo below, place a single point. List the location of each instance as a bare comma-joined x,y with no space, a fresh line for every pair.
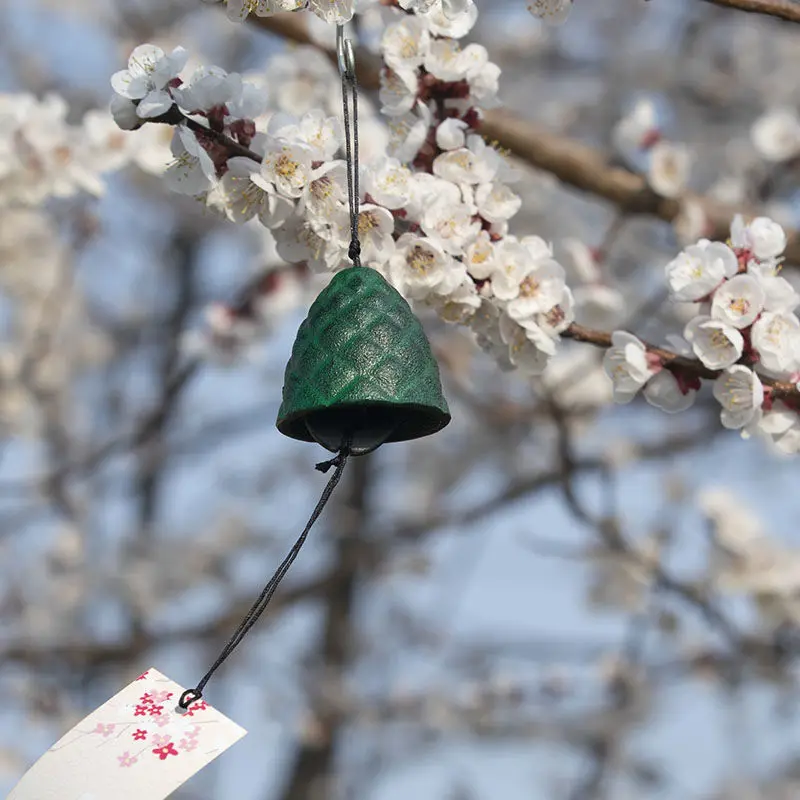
361,345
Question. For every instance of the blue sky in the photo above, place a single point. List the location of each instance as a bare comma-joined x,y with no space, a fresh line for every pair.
510,592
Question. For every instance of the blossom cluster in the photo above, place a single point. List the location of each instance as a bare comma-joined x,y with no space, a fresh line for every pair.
334,11
434,206
43,156
745,334
434,209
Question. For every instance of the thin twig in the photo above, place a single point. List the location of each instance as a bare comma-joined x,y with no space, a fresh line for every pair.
176,117
780,389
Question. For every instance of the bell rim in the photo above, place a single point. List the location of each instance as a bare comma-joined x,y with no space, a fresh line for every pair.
293,425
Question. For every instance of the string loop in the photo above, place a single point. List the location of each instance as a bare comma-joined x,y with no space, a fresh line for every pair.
347,69
349,92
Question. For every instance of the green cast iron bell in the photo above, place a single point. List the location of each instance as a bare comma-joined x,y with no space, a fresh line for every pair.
361,369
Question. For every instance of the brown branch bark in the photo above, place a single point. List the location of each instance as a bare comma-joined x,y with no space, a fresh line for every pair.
787,10
780,389
572,162
83,656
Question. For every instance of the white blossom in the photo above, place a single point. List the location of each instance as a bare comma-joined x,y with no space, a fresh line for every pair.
715,343
398,92
334,12
485,324
151,150
287,165
479,257
375,227
776,134
325,193
638,129
420,267
248,101
466,166
557,318
298,239
446,60
692,222
496,202
459,304
247,195
513,261
582,260
450,134
484,84
669,167
781,426
320,133
302,80
764,237
149,72
330,11
408,133
626,363
124,113
738,301
789,442
450,223
192,172
528,349
388,182
664,392
541,288
700,269
740,393
450,8
209,87
452,19
779,294
111,147
553,12
776,338
323,134
405,43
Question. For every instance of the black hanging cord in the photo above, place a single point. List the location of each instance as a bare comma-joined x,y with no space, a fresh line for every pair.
350,86
257,609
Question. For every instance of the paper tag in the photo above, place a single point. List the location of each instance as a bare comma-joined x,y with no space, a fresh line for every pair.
134,747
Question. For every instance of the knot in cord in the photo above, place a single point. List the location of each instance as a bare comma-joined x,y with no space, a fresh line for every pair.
355,250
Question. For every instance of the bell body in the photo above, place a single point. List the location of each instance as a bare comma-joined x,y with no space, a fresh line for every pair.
361,369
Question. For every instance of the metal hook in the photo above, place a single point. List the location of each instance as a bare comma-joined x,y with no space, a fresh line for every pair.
345,55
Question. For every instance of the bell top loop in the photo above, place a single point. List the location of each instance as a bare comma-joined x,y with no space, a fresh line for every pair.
347,70
345,55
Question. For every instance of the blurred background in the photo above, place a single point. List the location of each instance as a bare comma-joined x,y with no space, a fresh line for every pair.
552,598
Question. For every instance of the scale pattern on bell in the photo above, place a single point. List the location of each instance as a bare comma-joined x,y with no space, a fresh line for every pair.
361,344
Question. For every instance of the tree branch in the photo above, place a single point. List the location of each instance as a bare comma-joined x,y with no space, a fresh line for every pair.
572,162
786,10
83,655
781,390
